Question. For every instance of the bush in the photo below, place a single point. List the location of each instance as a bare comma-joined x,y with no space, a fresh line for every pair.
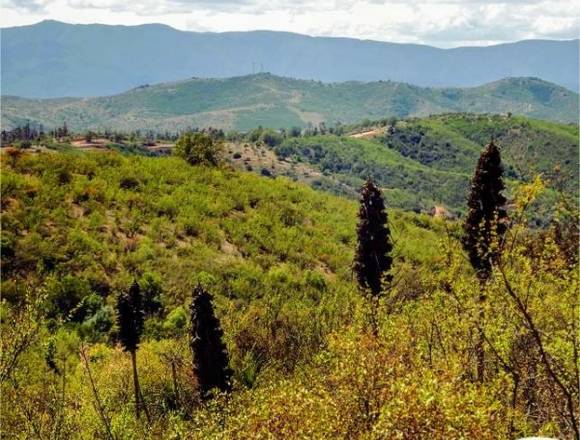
128,182
65,295
25,144
98,325
176,321
151,291
271,138
199,149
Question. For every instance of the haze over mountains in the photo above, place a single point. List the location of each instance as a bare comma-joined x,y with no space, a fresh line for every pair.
271,101
54,59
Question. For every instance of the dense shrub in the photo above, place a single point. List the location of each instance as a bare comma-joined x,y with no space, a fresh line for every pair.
199,149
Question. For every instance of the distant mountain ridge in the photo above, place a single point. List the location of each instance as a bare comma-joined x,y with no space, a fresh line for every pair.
263,99
52,59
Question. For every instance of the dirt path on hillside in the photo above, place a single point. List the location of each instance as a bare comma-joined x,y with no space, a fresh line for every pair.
368,134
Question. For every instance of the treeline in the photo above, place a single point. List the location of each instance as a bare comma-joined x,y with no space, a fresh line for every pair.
272,137
28,134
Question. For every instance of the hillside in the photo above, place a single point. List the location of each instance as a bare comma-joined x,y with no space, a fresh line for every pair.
53,59
420,163
79,228
427,162
246,102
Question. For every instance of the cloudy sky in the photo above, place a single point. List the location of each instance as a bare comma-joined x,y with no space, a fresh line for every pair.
443,23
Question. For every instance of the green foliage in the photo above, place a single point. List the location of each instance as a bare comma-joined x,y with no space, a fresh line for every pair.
151,290
353,160
199,149
176,321
98,325
277,256
425,162
66,297
271,138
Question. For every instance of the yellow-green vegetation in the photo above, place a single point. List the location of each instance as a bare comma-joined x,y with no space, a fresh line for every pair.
77,229
419,163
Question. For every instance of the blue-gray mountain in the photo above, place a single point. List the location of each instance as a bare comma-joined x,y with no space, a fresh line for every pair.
52,59
246,102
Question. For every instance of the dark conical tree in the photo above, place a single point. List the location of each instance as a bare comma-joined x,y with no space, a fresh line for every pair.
130,319
485,223
372,260
210,356
486,217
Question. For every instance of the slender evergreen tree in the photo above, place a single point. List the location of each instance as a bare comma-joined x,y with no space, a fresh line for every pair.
372,259
485,220
484,225
210,356
130,319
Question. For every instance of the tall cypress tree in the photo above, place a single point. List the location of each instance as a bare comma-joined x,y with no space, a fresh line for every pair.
372,259
210,356
486,217
130,319
485,223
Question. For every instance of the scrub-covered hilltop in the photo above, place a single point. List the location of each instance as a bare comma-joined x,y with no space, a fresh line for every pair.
246,102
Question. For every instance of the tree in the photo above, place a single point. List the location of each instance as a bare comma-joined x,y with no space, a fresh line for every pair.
372,259
130,320
295,132
199,149
486,219
484,228
271,138
210,356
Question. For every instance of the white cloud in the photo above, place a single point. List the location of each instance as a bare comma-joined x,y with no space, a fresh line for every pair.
443,23
24,6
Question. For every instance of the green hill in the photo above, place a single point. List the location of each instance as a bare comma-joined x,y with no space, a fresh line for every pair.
79,228
249,101
426,162
419,162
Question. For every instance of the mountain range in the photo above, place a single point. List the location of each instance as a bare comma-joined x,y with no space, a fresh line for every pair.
54,59
249,101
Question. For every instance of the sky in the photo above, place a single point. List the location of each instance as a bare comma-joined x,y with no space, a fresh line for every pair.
441,23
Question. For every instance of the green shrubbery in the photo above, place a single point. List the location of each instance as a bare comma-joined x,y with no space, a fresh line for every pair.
427,162
199,149
277,256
